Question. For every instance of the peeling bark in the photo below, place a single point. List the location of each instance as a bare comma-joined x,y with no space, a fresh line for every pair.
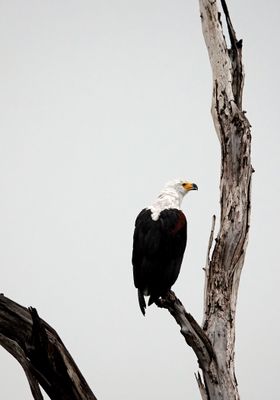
224,265
233,129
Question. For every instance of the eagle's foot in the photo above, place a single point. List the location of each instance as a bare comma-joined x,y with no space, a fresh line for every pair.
166,300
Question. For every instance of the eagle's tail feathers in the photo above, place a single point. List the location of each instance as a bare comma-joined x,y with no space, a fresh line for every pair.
142,302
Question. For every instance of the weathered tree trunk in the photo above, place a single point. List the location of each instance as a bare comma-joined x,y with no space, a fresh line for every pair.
214,342
233,129
41,353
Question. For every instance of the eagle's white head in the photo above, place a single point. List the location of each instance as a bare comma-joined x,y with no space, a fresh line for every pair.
171,196
180,186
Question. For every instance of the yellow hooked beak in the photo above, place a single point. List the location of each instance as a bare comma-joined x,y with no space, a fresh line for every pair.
189,186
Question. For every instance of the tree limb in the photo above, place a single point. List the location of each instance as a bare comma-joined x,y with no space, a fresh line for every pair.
201,386
190,329
41,353
15,350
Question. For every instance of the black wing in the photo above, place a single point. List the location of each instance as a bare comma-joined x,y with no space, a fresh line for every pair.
158,249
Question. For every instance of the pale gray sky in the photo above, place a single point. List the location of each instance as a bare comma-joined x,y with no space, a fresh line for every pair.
102,102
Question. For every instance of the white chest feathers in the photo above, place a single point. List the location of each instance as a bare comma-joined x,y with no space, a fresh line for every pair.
168,198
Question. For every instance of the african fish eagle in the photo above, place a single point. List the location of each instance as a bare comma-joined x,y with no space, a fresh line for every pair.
159,242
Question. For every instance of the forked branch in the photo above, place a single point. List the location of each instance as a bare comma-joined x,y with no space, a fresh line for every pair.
41,353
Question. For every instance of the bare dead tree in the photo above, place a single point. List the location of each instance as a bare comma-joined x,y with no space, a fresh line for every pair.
37,346
213,343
